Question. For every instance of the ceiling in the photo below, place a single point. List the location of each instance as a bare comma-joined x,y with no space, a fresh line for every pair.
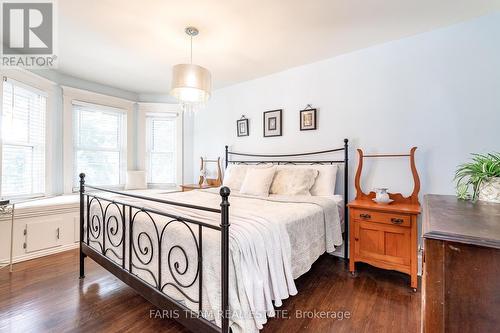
132,45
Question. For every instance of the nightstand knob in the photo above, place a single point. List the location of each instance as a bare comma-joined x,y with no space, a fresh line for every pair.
396,220
365,216
356,239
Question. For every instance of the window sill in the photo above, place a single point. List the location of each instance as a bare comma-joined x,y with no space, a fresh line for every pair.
70,202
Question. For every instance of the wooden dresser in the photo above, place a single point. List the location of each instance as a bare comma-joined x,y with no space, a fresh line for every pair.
385,236
461,276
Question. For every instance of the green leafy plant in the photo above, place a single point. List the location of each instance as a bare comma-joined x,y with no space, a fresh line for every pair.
473,174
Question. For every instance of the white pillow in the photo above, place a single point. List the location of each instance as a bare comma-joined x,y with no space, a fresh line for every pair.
136,180
235,174
293,181
258,181
325,182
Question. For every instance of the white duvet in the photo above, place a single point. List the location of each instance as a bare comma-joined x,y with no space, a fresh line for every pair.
273,241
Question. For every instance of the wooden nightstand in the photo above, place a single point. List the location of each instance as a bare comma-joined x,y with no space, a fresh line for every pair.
385,236
190,187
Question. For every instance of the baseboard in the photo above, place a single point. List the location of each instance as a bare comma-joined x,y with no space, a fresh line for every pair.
41,253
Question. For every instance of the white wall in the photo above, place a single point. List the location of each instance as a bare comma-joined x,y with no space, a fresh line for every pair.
439,91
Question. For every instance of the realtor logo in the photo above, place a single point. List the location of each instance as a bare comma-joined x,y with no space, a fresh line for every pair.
27,29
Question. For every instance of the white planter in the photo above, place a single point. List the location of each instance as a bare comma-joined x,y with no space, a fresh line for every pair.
489,190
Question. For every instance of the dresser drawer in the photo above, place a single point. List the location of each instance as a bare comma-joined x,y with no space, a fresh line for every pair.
387,218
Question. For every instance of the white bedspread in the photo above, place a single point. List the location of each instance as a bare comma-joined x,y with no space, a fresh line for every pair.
273,241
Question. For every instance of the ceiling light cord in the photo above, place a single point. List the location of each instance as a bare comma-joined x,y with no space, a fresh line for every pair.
191,32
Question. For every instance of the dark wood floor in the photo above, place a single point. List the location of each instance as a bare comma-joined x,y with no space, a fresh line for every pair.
45,295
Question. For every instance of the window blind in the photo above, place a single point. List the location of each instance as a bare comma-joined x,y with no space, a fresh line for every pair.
99,144
161,132
23,140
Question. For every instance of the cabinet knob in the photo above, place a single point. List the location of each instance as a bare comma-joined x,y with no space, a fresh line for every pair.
356,239
365,216
396,220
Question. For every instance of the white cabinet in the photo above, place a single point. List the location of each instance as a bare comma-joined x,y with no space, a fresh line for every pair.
43,234
41,228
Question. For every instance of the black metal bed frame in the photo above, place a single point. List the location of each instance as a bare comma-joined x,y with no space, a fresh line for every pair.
268,158
110,234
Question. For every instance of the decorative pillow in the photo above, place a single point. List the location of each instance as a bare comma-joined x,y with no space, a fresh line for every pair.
258,181
325,182
293,181
235,174
136,180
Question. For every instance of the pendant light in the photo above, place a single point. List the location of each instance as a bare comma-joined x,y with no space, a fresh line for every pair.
191,84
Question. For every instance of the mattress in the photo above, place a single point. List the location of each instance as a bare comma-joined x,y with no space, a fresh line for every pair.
273,241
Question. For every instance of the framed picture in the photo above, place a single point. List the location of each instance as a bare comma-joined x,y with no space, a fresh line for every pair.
307,119
242,127
272,123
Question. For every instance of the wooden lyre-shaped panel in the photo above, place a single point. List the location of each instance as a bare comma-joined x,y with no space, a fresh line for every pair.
397,197
211,181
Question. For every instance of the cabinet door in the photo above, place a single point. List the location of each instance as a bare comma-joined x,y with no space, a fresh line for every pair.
383,242
397,243
43,235
368,239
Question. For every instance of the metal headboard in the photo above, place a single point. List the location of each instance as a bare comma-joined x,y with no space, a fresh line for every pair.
279,159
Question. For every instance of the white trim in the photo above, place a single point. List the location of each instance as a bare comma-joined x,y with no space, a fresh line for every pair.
93,97
29,78
23,85
101,106
160,107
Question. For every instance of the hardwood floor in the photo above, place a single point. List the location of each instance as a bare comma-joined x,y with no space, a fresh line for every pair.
45,295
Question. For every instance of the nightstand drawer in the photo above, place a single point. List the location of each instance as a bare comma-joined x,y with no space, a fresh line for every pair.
387,218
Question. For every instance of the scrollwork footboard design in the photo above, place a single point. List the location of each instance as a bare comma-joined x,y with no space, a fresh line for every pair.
163,250
152,243
106,227
157,253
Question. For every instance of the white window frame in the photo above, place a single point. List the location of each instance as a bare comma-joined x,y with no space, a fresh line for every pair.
45,87
122,151
151,116
171,110
70,95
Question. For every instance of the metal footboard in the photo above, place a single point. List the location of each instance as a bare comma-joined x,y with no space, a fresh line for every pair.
108,237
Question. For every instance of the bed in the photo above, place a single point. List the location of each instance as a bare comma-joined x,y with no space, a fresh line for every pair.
215,260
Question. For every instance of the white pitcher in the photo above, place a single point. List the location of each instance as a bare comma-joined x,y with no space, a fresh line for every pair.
381,195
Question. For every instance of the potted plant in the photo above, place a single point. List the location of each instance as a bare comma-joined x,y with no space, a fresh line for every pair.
483,175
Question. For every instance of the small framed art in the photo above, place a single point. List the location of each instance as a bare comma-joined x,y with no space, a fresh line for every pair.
242,127
272,123
307,119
